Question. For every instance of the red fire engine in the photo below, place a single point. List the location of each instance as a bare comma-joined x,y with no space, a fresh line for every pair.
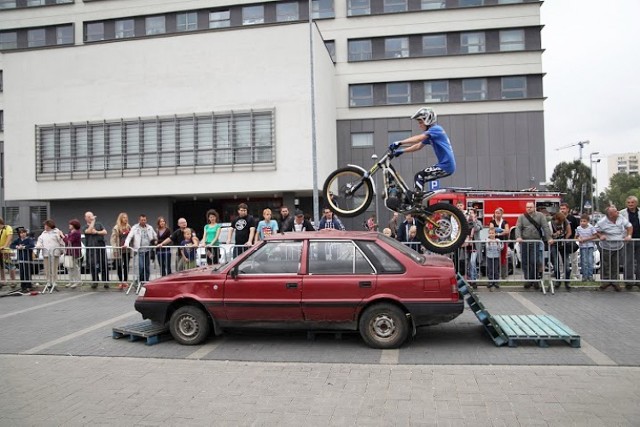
485,202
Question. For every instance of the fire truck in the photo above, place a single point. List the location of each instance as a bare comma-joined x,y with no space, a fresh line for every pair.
485,202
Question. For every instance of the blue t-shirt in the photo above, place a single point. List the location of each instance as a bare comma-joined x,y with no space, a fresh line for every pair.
437,137
267,228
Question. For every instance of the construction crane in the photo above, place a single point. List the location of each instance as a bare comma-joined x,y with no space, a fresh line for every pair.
580,144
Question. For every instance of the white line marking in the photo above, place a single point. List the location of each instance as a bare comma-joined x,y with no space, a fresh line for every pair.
65,338
390,357
205,349
26,310
598,357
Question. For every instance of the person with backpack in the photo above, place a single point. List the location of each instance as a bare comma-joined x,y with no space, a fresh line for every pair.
531,228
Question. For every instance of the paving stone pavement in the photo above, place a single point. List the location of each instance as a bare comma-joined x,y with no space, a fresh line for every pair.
61,390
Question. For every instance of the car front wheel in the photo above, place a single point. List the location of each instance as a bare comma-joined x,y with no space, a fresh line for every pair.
384,326
189,325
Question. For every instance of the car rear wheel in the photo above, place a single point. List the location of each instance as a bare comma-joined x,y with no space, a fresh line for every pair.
189,325
384,326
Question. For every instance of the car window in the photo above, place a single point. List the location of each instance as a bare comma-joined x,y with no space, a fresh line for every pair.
273,257
381,258
415,256
337,257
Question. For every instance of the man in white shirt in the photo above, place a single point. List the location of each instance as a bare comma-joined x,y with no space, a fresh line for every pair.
142,235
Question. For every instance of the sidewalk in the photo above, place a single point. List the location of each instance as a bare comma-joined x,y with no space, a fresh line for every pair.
59,390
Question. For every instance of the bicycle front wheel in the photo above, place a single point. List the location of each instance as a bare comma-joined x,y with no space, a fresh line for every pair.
347,192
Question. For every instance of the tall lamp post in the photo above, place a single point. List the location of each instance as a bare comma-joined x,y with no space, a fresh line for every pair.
595,204
591,186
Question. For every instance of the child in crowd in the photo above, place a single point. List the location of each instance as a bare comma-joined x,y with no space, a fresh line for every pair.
413,242
585,235
24,246
493,248
190,250
387,232
267,226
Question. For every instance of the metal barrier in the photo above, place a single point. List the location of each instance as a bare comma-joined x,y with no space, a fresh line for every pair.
619,262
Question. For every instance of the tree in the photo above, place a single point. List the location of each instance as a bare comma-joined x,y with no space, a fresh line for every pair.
573,180
621,186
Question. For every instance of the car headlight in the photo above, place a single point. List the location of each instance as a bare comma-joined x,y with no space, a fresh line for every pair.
143,290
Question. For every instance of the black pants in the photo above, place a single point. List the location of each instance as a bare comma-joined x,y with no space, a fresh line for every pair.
24,266
97,262
122,266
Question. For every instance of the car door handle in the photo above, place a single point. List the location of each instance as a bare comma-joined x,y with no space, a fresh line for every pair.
364,284
291,285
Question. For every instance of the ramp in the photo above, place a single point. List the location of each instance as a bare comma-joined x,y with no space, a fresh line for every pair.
510,329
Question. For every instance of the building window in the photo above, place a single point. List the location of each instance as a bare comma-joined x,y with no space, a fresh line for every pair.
397,47
472,42
64,35
252,15
1,81
7,4
36,37
287,12
125,28
358,7
474,89
8,40
393,6
360,140
511,40
220,19
1,120
125,147
331,47
37,216
470,3
360,50
514,87
31,3
154,25
398,93
187,21
322,9
436,91
432,4
94,32
509,1
434,45
360,95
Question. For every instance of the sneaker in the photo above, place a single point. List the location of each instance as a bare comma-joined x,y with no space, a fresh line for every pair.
568,288
616,287
68,285
73,285
94,286
604,286
496,286
106,286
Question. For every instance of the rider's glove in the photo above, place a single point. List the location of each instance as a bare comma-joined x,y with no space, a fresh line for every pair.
394,145
397,152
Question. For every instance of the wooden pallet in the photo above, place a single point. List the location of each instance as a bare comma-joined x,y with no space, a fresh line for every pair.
481,312
540,329
147,329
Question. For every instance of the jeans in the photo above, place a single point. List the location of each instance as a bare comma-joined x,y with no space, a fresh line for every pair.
493,269
472,268
586,262
530,259
144,265
164,259
610,261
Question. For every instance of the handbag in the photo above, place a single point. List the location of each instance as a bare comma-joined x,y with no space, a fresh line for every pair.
68,261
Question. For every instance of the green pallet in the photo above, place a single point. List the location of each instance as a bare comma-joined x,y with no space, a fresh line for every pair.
538,328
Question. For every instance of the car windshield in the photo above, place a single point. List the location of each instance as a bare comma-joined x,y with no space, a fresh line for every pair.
415,256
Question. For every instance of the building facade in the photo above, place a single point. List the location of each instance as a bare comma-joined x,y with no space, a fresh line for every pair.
170,108
625,162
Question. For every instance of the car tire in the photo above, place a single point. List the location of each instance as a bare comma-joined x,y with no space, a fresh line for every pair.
384,326
189,325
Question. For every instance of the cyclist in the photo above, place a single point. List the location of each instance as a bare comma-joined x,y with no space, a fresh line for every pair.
434,135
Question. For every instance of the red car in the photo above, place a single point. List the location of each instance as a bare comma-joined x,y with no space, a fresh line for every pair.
326,280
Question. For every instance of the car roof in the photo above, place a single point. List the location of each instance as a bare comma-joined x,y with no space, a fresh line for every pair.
327,234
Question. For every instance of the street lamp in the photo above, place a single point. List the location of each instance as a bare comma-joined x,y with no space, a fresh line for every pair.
591,187
595,201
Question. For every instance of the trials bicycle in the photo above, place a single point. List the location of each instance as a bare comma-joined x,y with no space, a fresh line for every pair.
442,228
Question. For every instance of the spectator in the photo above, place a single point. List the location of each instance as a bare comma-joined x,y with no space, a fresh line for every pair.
372,223
412,241
502,233
285,219
570,247
73,240
164,254
244,227
387,232
121,256
613,230
300,223
493,250
51,244
586,234
267,226
94,233
329,220
6,236
140,238
632,249
403,230
24,245
211,237
176,239
531,227
189,251
393,225
560,258
473,247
